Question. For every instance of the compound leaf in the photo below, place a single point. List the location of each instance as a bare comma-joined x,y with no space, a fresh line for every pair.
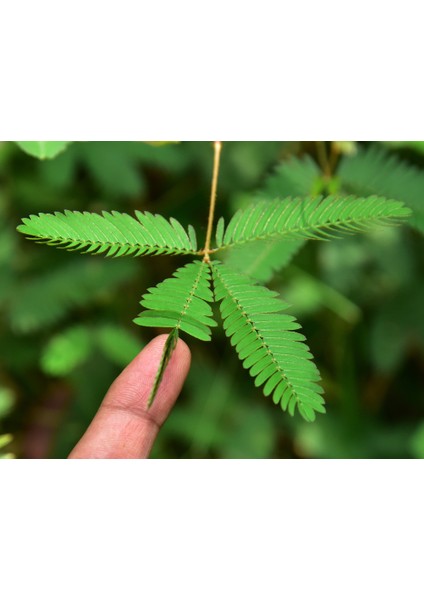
376,171
310,218
267,342
115,233
292,177
295,177
181,302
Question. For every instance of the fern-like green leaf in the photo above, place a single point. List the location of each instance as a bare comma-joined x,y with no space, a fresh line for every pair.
267,343
295,177
376,171
310,218
261,259
115,233
43,300
181,302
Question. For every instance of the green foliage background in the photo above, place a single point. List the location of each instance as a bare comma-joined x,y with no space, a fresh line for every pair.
66,325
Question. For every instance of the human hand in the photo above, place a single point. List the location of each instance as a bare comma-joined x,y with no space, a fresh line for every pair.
124,427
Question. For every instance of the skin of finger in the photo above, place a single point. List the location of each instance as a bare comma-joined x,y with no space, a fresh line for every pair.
124,427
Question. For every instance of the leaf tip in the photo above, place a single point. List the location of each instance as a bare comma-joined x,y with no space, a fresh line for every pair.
168,349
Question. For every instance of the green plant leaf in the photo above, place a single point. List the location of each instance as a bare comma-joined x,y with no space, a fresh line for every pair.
397,328
181,302
116,234
7,401
261,259
117,343
417,146
5,440
43,300
43,150
220,232
376,171
168,349
417,442
66,351
267,343
294,177
311,218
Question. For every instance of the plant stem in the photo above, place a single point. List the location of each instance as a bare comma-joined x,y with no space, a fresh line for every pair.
217,154
323,159
334,155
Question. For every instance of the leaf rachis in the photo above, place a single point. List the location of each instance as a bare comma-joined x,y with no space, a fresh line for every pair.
212,203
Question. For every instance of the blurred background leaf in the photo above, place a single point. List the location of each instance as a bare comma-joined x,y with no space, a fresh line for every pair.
5,441
43,150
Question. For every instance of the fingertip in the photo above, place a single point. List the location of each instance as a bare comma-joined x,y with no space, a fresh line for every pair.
181,349
132,388
180,360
